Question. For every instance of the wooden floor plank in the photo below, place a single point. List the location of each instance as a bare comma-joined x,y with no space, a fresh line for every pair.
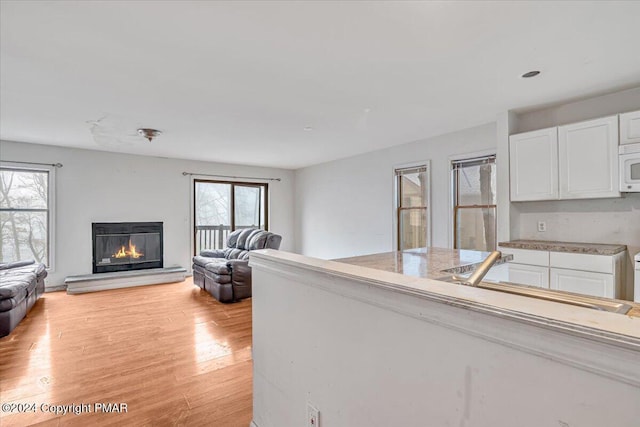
172,353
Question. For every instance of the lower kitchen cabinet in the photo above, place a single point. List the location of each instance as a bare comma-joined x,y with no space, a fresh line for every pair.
588,274
583,282
531,275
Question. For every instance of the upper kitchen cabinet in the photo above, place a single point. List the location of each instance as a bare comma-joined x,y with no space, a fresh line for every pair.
588,159
533,158
630,127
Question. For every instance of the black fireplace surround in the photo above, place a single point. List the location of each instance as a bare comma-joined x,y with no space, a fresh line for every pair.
125,246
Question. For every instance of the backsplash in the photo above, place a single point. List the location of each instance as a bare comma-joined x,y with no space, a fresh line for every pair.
593,221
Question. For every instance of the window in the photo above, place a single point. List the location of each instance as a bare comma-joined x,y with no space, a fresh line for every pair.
411,207
474,203
25,214
221,207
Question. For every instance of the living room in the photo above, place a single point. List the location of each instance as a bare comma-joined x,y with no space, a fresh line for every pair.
289,94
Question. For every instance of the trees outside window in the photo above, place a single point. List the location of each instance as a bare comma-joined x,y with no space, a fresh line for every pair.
24,215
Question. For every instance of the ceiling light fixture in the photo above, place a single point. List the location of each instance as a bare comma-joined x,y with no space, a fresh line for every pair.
307,128
530,74
149,133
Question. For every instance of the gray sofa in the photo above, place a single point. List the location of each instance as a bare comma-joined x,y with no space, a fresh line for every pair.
21,284
225,273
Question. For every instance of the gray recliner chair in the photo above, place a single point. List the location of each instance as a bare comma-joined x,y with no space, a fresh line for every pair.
225,273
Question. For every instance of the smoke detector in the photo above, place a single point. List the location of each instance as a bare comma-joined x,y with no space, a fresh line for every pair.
149,133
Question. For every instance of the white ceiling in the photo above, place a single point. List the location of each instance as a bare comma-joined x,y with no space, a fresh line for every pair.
238,82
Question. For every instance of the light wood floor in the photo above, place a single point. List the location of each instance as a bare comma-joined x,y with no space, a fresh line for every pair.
171,352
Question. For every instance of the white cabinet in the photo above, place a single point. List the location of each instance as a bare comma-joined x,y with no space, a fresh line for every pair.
585,262
630,127
588,159
531,275
533,158
599,275
528,267
527,256
583,282
576,161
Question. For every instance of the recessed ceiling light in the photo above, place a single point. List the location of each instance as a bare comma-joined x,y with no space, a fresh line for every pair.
530,74
308,128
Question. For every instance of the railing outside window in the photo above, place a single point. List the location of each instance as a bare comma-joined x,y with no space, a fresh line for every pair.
214,236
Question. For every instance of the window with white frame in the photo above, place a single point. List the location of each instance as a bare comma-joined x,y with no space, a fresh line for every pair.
26,214
411,207
474,203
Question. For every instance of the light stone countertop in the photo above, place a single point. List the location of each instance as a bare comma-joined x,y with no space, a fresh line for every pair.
572,247
414,279
430,263
436,263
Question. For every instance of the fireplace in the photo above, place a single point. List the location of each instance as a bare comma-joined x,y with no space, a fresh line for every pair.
124,246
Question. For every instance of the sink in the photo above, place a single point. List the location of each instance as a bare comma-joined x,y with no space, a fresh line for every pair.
594,303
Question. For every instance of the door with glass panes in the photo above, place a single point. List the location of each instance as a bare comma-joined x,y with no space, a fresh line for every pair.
222,207
411,207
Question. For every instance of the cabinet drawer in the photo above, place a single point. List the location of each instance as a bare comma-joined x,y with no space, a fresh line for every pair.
583,282
531,275
585,262
526,256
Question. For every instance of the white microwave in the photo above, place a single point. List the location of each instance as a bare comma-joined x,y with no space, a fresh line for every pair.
629,168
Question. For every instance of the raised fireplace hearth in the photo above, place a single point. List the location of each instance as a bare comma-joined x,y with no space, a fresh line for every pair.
126,246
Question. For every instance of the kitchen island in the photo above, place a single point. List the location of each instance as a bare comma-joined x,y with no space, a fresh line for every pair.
375,347
440,263
431,263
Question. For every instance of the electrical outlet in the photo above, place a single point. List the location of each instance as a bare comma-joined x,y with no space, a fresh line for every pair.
313,416
542,226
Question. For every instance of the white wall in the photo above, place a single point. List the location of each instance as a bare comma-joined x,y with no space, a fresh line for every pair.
345,207
95,186
595,221
369,356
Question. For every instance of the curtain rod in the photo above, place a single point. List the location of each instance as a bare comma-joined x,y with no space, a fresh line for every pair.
57,165
231,176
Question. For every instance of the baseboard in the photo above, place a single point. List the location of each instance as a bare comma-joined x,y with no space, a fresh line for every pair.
57,288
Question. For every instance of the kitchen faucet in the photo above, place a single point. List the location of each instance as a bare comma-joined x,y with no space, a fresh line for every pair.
481,271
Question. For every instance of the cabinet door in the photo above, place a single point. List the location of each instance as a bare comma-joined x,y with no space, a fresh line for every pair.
630,127
497,273
583,282
531,275
588,159
533,163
